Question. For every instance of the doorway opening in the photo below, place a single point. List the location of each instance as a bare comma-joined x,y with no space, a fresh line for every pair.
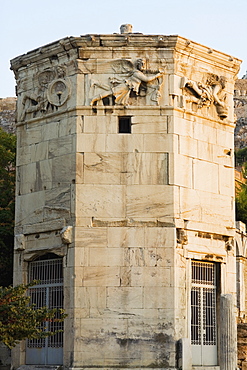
203,313
48,270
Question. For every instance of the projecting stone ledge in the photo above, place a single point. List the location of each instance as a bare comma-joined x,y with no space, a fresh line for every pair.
40,367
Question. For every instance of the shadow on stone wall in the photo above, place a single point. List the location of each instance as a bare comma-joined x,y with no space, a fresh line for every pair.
5,357
242,346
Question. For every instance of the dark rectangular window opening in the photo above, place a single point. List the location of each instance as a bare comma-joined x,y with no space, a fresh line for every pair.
124,125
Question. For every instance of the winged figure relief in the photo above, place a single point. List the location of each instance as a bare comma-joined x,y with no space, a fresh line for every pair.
128,79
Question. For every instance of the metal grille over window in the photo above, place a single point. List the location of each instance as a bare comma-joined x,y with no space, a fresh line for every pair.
195,316
209,336
55,301
48,292
203,273
46,271
38,297
203,304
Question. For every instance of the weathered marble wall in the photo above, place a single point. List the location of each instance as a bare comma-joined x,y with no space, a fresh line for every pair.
141,205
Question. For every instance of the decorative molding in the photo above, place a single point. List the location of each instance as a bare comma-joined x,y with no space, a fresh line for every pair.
182,237
66,234
19,242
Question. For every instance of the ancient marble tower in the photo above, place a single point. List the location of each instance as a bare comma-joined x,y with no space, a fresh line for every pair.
125,200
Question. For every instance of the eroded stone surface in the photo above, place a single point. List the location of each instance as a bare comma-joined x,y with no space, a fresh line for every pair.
140,201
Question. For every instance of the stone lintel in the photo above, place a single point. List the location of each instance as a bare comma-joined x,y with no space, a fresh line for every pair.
30,255
44,226
209,228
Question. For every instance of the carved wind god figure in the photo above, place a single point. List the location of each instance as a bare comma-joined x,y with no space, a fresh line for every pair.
53,89
129,82
212,92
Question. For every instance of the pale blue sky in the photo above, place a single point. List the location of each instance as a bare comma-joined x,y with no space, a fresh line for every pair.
28,24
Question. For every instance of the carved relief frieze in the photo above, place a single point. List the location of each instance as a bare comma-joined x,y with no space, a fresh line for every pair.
58,92
128,84
208,93
51,90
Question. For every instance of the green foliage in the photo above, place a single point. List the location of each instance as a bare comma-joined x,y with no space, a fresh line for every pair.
241,205
7,205
19,320
240,156
241,198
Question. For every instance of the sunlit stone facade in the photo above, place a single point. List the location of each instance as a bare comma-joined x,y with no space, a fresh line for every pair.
125,171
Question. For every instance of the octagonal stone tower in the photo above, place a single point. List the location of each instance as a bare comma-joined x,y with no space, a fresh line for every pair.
125,200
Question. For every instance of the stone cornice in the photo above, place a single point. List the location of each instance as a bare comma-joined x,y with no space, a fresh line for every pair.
195,50
138,41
